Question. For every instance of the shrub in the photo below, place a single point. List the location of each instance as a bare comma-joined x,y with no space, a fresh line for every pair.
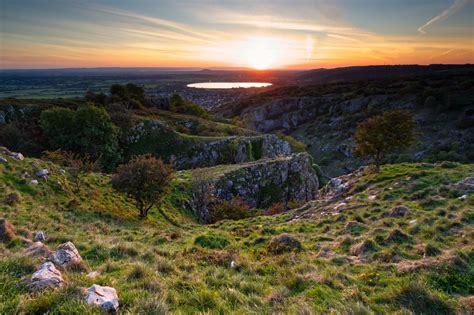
211,241
180,105
88,131
144,179
276,208
234,209
384,134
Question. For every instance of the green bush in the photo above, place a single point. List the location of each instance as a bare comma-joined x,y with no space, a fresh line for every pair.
180,105
234,209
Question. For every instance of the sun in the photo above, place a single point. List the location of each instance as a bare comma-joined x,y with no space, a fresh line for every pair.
260,53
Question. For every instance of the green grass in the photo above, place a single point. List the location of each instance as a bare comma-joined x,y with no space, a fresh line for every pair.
169,263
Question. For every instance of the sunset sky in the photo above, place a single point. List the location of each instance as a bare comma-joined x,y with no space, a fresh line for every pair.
257,34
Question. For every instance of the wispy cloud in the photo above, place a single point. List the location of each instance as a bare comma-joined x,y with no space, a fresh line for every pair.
186,29
455,7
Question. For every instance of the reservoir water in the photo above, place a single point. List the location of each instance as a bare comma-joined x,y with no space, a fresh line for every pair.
228,85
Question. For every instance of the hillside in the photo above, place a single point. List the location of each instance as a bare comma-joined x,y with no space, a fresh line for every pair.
325,116
400,240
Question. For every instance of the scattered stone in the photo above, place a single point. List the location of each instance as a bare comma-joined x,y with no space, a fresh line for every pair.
46,276
3,160
104,297
7,231
67,255
43,173
340,206
38,249
40,236
413,222
398,211
34,182
233,264
62,171
17,156
93,274
365,247
283,243
463,197
372,197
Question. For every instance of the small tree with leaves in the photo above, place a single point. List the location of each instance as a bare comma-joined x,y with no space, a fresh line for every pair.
384,134
145,179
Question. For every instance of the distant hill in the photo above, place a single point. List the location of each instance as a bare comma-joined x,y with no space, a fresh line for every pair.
373,72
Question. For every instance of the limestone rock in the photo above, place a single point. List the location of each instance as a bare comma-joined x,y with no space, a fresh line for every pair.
3,160
34,182
93,274
40,236
67,255
259,184
283,243
42,173
7,230
46,276
104,297
18,156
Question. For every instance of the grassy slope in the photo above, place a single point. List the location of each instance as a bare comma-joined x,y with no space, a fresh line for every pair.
156,265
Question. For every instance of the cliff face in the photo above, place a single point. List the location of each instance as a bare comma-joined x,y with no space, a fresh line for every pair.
186,152
290,112
260,184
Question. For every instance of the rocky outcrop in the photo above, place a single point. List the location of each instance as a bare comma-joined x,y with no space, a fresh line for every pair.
47,276
188,152
67,256
103,297
232,150
259,184
289,112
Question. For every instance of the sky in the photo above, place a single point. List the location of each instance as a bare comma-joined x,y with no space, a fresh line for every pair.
288,34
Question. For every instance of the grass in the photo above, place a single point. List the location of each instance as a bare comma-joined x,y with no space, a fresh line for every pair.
172,264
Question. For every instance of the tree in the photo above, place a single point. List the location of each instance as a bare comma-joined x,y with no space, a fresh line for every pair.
145,179
88,131
384,134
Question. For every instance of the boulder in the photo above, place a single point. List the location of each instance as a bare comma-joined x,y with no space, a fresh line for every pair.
7,231
3,160
67,255
398,211
283,243
47,276
465,186
34,182
40,236
104,297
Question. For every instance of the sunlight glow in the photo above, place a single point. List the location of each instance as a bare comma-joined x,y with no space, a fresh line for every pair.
261,53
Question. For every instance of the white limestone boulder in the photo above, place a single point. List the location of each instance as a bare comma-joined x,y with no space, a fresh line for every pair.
47,276
104,297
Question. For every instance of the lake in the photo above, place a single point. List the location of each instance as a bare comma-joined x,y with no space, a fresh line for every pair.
227,85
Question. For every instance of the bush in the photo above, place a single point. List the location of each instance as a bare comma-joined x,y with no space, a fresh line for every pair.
88,131
234,209
180,105
144,179
211,241
283,243
276,208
